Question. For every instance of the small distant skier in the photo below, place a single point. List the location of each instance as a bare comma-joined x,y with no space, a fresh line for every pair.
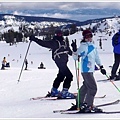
4,62
20,56
41,66
100,43
26,64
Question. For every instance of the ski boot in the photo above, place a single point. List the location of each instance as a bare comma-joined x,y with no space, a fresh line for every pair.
65,94
96,109
54,92
73,107
88,109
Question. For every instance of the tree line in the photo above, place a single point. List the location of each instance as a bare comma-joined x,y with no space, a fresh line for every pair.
11,36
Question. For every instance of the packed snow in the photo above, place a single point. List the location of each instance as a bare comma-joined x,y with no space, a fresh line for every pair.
15,96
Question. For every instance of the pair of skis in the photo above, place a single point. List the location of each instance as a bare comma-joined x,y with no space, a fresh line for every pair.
48,97
68,111
104,112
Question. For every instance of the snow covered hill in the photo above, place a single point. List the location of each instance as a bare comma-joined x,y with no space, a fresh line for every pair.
14,22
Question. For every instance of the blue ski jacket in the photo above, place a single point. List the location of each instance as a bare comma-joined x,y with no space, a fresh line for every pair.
89,56
116,43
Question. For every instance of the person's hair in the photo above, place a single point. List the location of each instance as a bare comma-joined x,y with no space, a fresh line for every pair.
83,40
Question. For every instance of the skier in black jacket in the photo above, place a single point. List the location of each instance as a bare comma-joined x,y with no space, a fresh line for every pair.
60,51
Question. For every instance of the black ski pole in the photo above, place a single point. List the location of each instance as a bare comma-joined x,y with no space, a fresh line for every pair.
24,61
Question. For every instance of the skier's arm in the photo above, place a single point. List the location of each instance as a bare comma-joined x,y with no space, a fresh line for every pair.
115,39
75,55
70,51
47,44
97,59
79,53
98,62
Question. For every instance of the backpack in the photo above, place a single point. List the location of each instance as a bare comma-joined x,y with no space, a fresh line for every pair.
61,50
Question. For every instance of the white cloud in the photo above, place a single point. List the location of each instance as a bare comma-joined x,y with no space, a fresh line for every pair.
56,15
68,6
57,5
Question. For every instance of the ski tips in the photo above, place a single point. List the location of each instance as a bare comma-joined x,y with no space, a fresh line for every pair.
101,96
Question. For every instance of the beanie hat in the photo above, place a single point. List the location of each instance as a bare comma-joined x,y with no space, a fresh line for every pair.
87,33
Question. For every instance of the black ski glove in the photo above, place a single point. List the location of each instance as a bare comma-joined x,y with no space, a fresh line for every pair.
32,38
102,70
74,46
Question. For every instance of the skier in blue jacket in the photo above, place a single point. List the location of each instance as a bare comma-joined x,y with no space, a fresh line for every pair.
116,51
89,56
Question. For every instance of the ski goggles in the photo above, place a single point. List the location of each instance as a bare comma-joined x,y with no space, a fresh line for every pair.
59,34
88,36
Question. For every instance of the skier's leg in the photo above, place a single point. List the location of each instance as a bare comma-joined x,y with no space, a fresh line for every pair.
58,80
115,65
91,88
3,67
83,91
69,77
67,82
60,77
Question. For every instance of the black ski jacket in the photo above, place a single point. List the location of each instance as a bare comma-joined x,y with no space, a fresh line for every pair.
60,48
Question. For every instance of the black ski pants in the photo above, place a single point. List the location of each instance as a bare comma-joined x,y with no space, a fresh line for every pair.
115,65
64,75
3,66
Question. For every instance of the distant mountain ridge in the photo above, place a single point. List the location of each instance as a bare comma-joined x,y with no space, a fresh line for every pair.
42,25
48,19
